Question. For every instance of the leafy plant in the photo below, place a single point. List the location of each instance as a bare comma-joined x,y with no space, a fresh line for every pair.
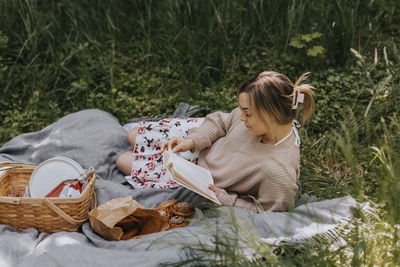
307,44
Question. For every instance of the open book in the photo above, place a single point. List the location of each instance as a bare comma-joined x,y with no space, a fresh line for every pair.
190,175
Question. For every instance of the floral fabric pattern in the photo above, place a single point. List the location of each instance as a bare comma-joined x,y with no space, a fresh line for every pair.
147,165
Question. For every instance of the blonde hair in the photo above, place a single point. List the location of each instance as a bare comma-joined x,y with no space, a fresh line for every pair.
273,93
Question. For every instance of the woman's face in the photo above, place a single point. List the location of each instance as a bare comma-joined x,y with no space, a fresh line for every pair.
255,125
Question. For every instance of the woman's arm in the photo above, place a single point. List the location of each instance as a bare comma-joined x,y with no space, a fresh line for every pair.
277,201
233,200
214,126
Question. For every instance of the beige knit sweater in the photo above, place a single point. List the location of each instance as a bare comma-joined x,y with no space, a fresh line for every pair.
255,176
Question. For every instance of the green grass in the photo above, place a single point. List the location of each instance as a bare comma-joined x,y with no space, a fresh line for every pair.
135,58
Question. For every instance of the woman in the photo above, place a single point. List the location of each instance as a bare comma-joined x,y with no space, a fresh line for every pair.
253,152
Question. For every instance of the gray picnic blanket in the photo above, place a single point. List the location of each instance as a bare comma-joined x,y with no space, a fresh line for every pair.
94,138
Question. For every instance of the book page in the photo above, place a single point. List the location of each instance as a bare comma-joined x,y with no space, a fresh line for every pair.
190,175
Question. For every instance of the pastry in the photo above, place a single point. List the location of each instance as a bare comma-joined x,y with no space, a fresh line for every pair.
182,209
177,221
167,204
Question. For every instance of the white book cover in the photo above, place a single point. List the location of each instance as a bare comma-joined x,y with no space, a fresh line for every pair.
190,175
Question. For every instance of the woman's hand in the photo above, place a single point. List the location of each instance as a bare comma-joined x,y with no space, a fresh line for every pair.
218,191
223,196
178,144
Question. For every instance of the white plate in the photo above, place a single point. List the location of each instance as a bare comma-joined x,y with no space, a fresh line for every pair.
51,173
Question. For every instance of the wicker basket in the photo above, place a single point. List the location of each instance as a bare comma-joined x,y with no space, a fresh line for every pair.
45,214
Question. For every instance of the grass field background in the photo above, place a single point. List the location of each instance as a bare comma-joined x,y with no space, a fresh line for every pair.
136,58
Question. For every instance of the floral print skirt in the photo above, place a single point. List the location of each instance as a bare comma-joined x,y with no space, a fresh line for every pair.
147,164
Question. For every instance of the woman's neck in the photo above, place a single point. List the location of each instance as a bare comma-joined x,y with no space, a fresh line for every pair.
276,134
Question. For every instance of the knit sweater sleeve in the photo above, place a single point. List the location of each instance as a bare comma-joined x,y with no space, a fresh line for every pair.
234,200
276,195
214,126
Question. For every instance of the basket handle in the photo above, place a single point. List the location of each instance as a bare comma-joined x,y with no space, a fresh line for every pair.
64,215
17,164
